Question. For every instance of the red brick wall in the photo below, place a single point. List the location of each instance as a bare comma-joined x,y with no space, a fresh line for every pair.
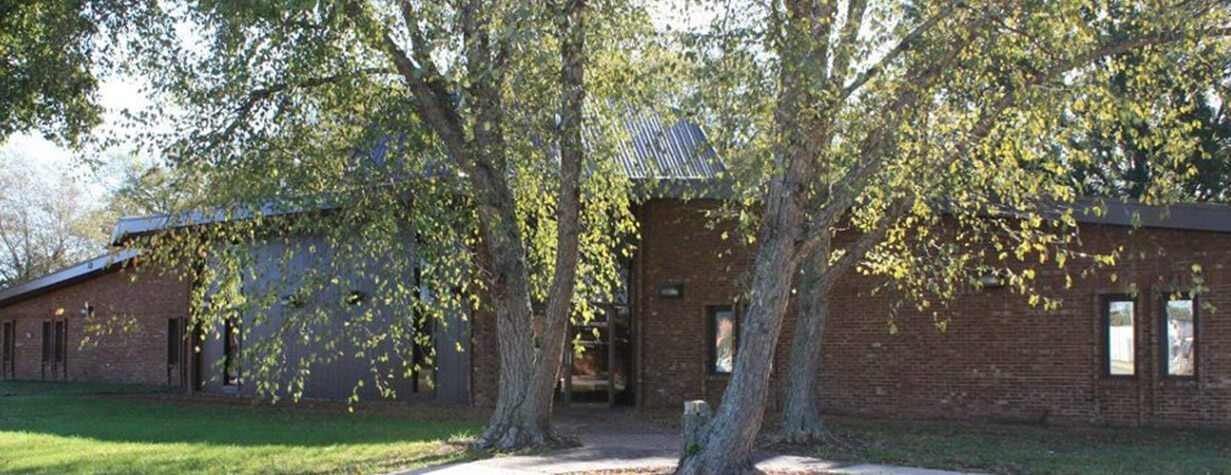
1000,358
484,359
677,248
126,341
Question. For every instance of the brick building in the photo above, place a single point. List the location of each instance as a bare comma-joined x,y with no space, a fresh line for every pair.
100,321
1106,356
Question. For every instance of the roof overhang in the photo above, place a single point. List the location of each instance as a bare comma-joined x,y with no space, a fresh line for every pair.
68,275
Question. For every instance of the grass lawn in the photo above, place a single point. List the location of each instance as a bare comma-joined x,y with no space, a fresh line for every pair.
63,428
1004,448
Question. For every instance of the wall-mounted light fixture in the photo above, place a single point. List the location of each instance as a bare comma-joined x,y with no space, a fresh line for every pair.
87,310
671,291
991,280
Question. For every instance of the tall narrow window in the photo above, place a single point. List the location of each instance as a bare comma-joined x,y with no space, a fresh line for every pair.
1118,323
231,341
175,338
723,331
7,339
1179,338
61,352
425,343
47,339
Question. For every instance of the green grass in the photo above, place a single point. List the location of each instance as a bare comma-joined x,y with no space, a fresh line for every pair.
61,428
1028,449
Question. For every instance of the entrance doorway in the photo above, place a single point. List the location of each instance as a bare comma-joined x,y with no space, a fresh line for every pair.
599,364
55,350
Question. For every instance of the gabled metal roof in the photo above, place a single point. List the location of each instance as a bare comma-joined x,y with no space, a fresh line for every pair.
657,149
65,276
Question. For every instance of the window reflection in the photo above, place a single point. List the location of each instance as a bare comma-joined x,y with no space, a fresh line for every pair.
1180,338
1120,319
723,331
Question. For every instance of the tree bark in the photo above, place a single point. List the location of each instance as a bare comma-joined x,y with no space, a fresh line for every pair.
801,418
727,444
532,347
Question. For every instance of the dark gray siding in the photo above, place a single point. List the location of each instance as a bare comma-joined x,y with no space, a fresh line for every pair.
282,261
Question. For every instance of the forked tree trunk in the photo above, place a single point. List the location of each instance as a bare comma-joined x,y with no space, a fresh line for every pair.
801,418
727,444
532,347
522,416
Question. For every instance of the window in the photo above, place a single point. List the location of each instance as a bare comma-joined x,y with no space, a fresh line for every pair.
1179,338
424,350
61,352
7,339
47,341
1118,320
230,343
175,338
723,331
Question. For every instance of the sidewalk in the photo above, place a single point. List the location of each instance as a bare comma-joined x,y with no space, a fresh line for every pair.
615,442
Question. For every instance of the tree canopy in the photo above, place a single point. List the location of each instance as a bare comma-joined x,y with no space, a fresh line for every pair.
52,53
433,148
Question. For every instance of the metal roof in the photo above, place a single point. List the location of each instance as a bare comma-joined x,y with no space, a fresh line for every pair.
662,150
66,275
1182,216
129,226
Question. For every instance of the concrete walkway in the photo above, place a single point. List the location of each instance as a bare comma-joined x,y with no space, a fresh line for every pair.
615,441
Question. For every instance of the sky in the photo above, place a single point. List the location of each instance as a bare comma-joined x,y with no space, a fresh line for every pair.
50,160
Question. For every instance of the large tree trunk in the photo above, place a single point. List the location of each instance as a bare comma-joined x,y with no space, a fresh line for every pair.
801,418
727,445
532,347
522,416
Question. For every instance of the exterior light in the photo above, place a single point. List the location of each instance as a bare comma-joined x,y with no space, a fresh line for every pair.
671,291
87,311
991,280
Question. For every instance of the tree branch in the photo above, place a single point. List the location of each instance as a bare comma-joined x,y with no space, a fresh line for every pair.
257,95
903,46
983,127
572,153
846,44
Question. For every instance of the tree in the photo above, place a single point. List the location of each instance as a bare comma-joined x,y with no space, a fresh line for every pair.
447,135
51,54
961,117
44,225
148,189
1125,167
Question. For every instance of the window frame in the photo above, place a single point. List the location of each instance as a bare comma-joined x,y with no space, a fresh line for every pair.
232,325
711,312
1164,364
1105,308
8,340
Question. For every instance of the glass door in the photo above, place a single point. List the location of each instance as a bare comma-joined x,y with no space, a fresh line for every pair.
598,364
